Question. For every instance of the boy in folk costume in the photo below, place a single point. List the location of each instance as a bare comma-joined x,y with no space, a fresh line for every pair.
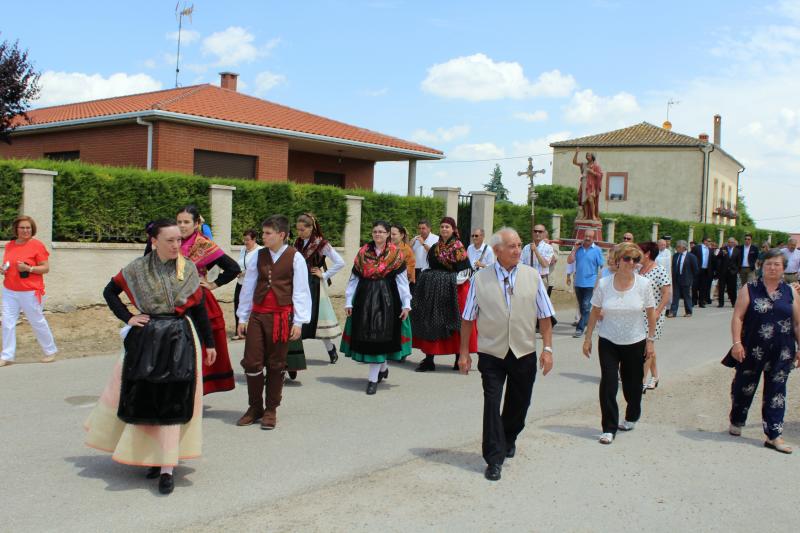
274,304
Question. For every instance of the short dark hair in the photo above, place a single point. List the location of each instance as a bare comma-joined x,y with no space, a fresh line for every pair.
23,218
746,235
192,210
649,249
253,234
774,252
277,223
382,223
424,221
153,229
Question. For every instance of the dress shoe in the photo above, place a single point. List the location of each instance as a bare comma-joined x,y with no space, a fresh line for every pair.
511,451
372,387
166,484
293,374
333,355
250,417
269,420
720,305
153,472
493,472
427,365
383,374
702,306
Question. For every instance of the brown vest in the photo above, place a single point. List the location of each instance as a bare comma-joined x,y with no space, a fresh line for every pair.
276,276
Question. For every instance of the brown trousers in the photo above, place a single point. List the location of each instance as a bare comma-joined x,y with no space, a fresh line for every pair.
261,352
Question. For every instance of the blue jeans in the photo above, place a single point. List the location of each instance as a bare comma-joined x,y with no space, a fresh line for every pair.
584,296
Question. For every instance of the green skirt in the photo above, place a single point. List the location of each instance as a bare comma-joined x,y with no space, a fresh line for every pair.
296,358
405,345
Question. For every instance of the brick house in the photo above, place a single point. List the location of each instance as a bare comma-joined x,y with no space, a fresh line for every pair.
212,131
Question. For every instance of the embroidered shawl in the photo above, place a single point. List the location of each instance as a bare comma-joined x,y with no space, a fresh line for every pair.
312,251
451,254
160,287
201,251
369,265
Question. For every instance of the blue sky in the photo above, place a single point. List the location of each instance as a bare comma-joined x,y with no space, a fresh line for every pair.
478,80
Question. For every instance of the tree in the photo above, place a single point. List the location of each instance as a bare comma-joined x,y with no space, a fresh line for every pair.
556,196
19,84
496,186
741,209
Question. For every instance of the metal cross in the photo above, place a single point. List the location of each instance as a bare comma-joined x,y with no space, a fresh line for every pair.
530,174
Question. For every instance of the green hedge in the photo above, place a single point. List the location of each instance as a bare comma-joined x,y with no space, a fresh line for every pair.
10,197
404,210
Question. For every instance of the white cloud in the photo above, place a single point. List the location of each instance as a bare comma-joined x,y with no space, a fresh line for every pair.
66,87
587,107
485,150
232,46
536,116
441,134
478,78
187,36
150,63
376,92
267,80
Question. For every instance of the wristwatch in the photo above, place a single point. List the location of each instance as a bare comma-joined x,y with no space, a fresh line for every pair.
547,349
653,339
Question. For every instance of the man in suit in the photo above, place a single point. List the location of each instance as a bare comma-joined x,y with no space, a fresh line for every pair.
685,272
747,259
701,289
727,270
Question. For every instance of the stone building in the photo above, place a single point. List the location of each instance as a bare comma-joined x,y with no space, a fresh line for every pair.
653,171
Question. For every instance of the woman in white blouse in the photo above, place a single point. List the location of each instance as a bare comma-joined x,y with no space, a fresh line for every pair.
247,259
626,338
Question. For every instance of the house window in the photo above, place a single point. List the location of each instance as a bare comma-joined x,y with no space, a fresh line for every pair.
616,186
224,164
72,155
329,178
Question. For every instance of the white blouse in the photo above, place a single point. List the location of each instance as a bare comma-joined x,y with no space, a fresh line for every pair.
247,259
337,263
623,320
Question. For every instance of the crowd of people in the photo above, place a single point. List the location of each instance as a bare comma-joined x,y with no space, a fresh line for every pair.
430,292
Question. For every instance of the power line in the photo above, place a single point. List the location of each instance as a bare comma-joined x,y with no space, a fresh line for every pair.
484,160
775,218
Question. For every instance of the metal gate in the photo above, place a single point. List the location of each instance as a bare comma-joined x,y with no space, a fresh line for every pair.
465,217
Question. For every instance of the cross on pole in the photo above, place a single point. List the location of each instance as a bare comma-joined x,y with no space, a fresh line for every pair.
530,174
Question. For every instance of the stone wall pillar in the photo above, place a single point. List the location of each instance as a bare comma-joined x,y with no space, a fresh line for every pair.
37,201
221,200
483,211
450,197
555,223
611,229
769,239
351,237
412,177
690,238
654,232
721,236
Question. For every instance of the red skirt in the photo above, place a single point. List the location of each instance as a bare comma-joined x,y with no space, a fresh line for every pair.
219,376
452,344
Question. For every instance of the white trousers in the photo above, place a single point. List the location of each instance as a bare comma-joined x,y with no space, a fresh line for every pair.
25,301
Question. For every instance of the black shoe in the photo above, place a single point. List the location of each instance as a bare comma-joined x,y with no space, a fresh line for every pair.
153,472
333,356
493,472
702,306
372,387
166,484
455,363
383,374
292,374
511,451
427,365
720,305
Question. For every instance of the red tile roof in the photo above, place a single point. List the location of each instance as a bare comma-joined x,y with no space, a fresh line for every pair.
214,102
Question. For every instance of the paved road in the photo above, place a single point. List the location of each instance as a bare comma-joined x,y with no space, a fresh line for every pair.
408,457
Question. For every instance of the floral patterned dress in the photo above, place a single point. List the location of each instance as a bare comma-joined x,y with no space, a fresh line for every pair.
769,344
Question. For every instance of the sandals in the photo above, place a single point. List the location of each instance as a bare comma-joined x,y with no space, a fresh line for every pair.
652,383
606,438
778,446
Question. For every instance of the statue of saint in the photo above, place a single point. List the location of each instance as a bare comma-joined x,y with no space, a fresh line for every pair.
590,186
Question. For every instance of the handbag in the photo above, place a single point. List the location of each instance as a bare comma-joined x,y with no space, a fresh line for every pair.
728,360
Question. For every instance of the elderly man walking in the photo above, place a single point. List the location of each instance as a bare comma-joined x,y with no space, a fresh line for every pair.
503,299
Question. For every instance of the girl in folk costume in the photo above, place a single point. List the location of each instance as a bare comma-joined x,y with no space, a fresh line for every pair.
151,411
324,325
377,303
440,296
205,254
399,237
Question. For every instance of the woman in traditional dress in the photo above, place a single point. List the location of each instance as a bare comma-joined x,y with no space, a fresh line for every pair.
399,237
247,259
441,294
205,255
151,411
324,325
377,303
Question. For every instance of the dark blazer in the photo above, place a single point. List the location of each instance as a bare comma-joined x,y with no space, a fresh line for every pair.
697,252
751,257
690,270
728,264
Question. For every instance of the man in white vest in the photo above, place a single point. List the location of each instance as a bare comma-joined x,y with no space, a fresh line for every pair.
506,299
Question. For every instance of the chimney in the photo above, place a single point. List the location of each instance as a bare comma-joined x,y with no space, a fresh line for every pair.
703,137
718,130
227,80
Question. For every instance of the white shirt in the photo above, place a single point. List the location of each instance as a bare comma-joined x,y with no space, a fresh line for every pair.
745,254
474,254
402,287
337,263
704,255
247,259
544,307
529,258
301,294
421,254
664,259
623,320
792,260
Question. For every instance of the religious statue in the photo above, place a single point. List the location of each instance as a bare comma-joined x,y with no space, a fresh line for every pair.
590,186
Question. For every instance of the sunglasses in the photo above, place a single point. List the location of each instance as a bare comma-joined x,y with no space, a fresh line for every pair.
627,239
629,259
475,235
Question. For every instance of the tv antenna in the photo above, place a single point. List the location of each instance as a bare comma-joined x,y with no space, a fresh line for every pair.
179,14
671,103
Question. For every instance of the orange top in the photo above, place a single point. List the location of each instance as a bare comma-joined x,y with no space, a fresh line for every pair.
411,263
32,253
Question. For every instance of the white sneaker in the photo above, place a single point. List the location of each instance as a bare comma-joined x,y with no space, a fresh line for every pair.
606,438
627,426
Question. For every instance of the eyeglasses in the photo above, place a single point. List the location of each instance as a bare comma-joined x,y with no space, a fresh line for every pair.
628,259
627,238
475,235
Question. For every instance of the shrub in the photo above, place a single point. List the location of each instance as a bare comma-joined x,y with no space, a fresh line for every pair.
404,210
556,196
11,197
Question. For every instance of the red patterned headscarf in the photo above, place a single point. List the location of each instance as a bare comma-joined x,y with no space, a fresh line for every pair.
452,222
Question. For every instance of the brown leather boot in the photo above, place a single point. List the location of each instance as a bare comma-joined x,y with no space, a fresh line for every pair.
274,390
269,420
255,386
